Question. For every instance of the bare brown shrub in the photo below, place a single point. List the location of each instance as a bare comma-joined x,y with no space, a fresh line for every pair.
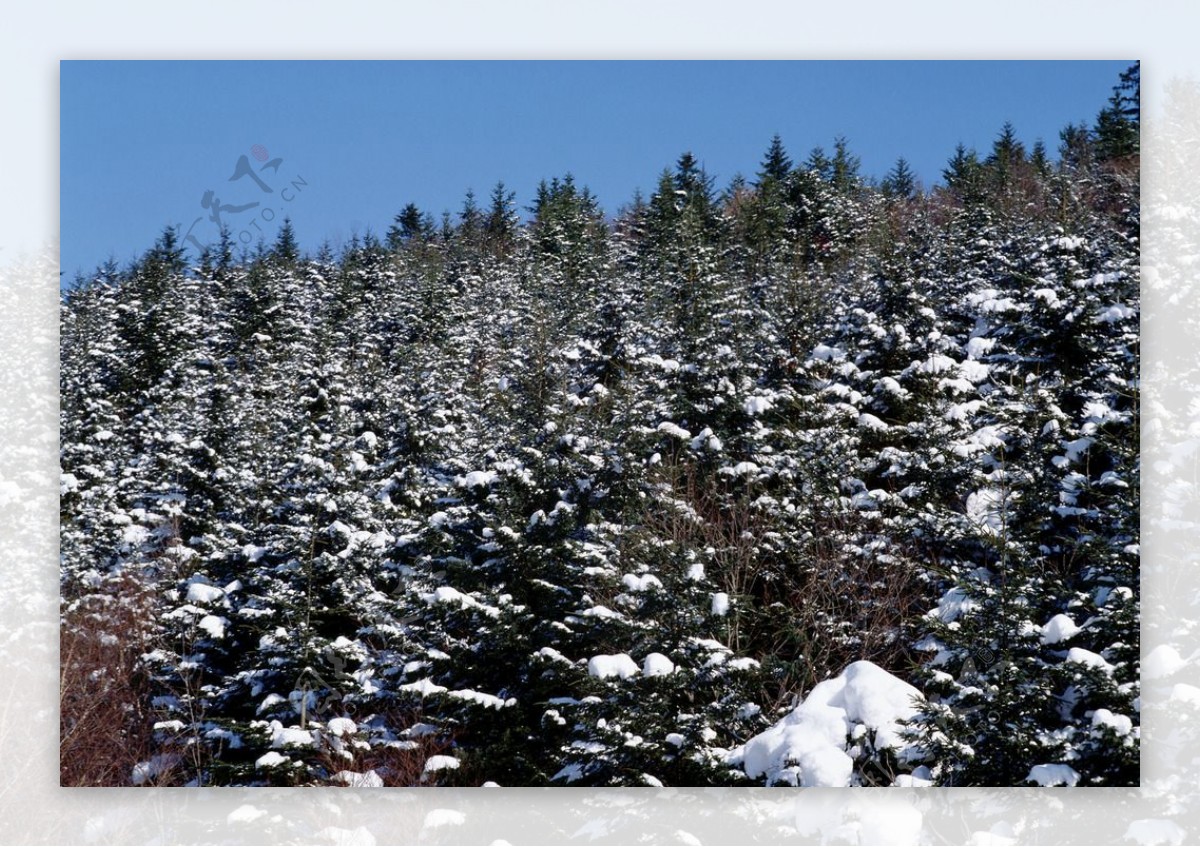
105,724
810,610
399,764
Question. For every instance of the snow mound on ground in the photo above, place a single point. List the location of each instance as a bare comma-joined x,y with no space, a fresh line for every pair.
809,746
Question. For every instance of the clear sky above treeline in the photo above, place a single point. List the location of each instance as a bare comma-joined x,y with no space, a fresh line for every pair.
341,147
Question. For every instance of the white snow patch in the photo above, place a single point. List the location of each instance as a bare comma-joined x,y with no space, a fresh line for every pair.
198,592
810,744
1046,775
424,687
342,837
755,406
674,430
271,759
245,813
1087,657
602,612
720,604
1163,661
1068,242
1059,628
1075,449
706,441
740,469
828,354
353,779
742,663
437,818
869,421
978,347
1155,831
619,665
1120,724
656,664
1185,693
1047,295
341,726
1113,314
973,372
269,701
936,364
488,701
985,508
147,771
921,777
449,594
214,625
641,583
291,736
440,763
569,773
476,479
553,655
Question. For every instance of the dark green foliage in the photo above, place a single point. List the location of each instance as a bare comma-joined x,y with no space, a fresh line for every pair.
286,250
775,165
1118,125
900,181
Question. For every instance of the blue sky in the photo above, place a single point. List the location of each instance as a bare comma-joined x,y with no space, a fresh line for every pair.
342,146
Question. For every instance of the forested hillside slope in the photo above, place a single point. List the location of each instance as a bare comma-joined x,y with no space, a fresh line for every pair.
807,481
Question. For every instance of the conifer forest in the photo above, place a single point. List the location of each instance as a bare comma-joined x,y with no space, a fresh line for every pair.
809,479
